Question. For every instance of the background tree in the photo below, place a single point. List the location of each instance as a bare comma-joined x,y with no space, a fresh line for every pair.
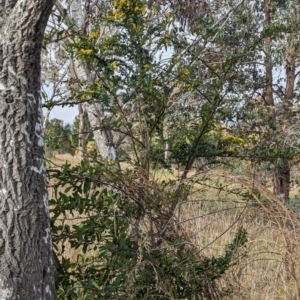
59,136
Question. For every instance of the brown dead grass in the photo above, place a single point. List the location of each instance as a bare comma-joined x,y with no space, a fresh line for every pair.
268,267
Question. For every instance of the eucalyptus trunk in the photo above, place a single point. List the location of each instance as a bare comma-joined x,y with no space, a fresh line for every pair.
103,137
281,174
26,263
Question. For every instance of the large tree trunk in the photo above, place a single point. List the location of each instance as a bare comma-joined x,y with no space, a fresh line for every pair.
26,264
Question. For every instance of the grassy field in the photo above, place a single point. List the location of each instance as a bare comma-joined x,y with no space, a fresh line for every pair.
268,267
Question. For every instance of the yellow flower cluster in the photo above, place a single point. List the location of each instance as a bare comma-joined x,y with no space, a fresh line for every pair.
94,35
230,143
184,72
168,18
231,150
114,65
175,58
166,38
85,51
234,139
116,15
120,6
141,9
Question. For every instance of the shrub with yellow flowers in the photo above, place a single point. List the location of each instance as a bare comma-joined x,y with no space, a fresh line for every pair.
155,103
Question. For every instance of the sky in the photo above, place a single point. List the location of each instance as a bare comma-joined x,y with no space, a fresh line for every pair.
67,114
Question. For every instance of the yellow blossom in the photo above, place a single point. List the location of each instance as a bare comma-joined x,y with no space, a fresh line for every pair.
91,91
168,18
85,51
175,58
116,15
234,139
114,65
230,150
166,38
144,9
147,67
184,72
94,35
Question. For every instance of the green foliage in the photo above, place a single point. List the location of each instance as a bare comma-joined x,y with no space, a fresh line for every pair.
75,132
118,259
59,137
172,111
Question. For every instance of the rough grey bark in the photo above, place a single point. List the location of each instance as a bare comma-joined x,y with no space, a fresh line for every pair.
26,264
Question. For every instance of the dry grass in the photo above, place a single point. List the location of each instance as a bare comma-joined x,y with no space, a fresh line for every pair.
268,267
56,159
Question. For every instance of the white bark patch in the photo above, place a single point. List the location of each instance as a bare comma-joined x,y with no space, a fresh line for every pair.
12,71
46,205
38,132
47,290
6,292
23,130
4,191
2,87
36,170
22,79
47,237
17,208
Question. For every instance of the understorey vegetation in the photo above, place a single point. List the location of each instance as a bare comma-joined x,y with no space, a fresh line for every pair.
186,145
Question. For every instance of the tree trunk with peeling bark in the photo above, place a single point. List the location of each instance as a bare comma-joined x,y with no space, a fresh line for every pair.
104,138
26,263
